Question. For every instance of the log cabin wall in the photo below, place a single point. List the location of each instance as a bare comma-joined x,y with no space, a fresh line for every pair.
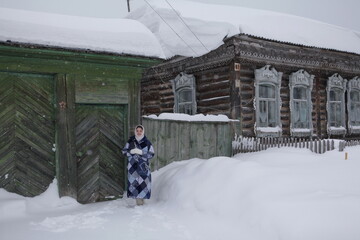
223,88
213,83
253,53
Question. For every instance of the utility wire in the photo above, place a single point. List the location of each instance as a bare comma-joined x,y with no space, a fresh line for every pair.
171,28
187,25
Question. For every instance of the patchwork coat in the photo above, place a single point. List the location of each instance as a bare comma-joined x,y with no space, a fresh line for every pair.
139,173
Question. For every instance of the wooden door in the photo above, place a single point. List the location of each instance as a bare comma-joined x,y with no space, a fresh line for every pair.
100,137
27,132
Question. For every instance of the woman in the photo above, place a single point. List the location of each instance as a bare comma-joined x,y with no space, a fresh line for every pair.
139,151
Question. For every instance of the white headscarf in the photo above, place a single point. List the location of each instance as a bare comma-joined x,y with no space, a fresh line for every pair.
138,138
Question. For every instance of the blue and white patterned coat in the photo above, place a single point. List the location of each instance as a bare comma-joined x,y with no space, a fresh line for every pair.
139,173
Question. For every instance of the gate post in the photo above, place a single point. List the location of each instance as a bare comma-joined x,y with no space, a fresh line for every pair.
66,166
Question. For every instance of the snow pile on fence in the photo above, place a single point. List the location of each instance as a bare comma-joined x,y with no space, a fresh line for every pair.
191,118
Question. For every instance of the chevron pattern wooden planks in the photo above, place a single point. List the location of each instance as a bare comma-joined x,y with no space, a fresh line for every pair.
27,132
99,140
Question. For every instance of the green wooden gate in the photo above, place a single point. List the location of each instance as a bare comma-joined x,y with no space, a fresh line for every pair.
27,132
99,139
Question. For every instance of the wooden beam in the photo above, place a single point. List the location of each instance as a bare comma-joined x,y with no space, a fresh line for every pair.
66,166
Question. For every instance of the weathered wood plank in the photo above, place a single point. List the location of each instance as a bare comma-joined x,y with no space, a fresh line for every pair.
179,140
65,143
101,90
27,132
99,140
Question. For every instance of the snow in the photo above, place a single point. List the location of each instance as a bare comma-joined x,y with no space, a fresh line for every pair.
301,130
269,129
121,36
337,128
196,28
154,29
287,193
191,118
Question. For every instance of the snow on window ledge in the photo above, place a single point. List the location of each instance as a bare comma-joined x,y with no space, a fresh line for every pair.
301,132
354,129
268,131
337,130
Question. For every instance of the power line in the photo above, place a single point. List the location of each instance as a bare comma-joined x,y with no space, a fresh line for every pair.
187,25
171,28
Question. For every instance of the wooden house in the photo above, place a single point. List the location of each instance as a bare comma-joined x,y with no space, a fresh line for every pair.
275,89
65,113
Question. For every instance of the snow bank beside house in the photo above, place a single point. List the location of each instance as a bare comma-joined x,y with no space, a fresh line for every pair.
202,27
121,36
287,193
16,205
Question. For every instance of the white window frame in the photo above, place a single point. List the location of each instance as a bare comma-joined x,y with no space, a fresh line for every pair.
353,85
336,82
301,79
184,82
270,77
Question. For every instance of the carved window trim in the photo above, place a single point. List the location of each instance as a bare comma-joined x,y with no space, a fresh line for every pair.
268,77
337,84
353,85
184,82
301,79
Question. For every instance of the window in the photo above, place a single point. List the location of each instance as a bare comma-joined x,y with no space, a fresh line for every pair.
336,88
267,102
335,102
354,106
300,84
267,106
185,101
184,93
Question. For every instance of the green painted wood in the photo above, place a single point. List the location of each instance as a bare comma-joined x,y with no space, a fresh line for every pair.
99,140
77,55
13,58
134,100
27,132
66,170
77,76
101,90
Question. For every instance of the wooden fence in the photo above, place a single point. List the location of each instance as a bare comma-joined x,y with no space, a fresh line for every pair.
249,144
175,140
349,143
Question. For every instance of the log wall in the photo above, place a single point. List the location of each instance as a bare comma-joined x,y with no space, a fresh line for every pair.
223,90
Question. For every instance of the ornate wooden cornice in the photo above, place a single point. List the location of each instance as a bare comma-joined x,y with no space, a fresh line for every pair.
253,49
221,56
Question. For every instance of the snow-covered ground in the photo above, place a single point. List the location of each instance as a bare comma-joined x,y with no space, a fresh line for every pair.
286,193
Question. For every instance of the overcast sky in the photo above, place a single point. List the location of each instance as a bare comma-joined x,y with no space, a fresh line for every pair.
345,13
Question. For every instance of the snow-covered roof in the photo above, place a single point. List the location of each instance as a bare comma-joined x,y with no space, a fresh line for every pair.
121,36
192,29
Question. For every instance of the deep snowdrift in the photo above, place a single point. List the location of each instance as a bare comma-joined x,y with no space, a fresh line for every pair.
285,193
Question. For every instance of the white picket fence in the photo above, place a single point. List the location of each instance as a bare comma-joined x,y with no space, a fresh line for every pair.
250,144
